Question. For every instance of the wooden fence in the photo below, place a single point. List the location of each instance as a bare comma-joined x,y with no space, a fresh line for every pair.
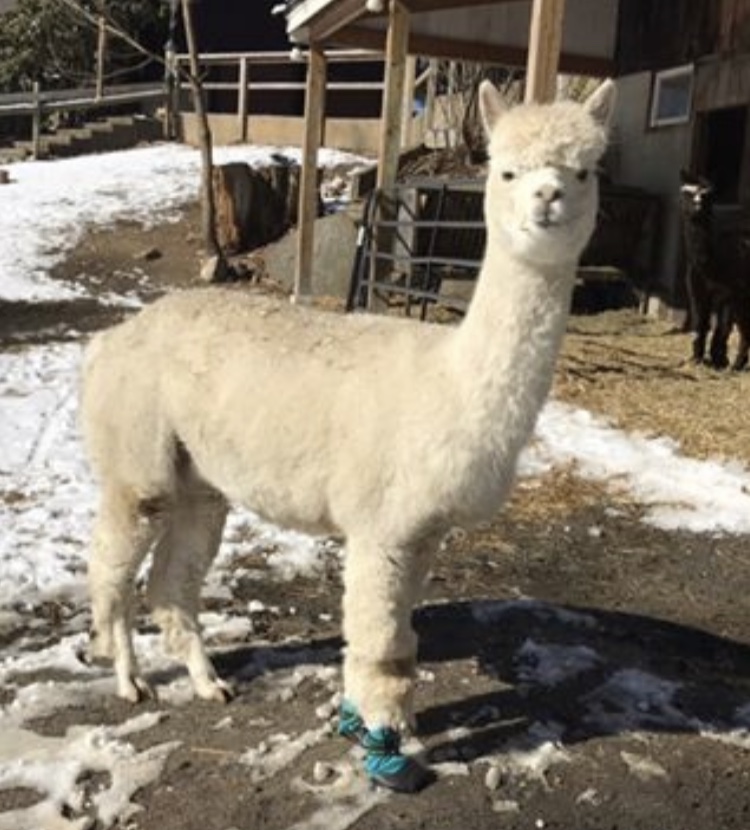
240,74
233,73
39,103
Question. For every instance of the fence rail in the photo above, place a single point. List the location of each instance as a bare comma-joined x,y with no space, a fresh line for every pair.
39,103
239,74
51,100
241,66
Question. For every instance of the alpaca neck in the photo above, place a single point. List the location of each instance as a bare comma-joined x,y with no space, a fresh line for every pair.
507,345
698,234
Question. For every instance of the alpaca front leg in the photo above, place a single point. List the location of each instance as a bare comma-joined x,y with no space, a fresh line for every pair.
381,583
699,312
720,337
381,645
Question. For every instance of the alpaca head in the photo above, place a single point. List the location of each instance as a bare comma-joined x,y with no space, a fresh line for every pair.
542,191
696,195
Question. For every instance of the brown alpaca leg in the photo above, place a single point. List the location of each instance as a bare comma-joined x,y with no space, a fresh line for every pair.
743,347
720,337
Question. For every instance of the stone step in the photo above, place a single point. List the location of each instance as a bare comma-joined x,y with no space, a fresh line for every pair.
114,133
8,155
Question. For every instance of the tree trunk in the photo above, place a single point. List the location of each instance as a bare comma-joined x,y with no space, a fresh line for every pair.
255,207
208,209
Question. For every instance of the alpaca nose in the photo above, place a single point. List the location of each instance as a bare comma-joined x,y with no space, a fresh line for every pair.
549,193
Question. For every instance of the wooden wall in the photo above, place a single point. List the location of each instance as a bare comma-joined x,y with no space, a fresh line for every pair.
734,26
655,34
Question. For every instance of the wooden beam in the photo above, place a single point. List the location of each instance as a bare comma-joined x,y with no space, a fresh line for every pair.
396,47
334,17
407,101
308,194
545,41
416,6
441,47
242,107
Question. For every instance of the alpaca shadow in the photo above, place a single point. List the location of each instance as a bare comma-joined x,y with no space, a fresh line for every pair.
243,665
572,674
561,673
240,666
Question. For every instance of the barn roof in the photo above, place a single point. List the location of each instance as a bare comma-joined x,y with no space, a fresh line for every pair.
496,32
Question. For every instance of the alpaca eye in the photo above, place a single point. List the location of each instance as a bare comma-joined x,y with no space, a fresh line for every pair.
509,176
582,175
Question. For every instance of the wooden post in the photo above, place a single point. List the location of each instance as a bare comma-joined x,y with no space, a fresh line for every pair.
36,122
171,91
308,192
429,106
545,41
242,99
396,48
391,130
407,104
101,48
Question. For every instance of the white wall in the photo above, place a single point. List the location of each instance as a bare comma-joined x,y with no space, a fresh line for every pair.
651,159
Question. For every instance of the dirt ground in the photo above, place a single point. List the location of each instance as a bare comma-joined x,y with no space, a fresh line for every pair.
670,606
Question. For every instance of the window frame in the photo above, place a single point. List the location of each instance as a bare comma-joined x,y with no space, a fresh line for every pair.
686,71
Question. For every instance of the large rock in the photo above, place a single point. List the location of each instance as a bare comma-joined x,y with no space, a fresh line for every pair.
333,256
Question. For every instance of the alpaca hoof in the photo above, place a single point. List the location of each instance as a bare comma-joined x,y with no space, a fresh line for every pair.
136,690
97,650
387,767
217,690
85,654
411,777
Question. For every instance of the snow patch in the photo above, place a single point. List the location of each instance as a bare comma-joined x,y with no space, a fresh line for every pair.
54,767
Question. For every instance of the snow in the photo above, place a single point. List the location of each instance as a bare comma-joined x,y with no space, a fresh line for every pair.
50,204
47,499
681,493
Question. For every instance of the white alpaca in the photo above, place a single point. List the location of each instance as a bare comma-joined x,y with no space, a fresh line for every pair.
386,431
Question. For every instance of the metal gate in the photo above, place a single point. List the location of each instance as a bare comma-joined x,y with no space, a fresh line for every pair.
421,244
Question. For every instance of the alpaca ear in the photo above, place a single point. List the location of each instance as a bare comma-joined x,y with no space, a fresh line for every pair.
491,105
601,103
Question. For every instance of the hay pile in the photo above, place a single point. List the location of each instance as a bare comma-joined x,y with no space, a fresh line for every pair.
636,371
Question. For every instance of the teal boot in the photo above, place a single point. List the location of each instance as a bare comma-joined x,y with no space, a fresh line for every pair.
384,762
351,725
386,765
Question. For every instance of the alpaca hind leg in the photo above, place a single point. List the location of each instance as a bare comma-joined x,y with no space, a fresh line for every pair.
743,347
181,559
125,530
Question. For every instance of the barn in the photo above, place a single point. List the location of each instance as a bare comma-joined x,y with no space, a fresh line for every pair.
682,69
